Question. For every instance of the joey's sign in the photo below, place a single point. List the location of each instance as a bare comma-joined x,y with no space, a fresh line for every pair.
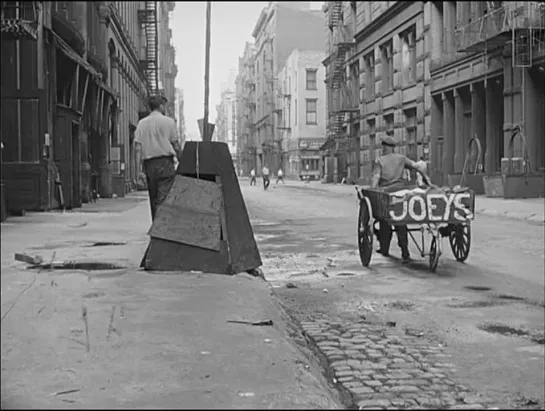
432,207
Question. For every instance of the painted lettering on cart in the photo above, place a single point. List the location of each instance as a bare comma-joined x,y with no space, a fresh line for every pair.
432,207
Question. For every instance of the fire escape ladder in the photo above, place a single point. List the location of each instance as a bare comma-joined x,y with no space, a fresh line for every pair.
335,12
19,19
150,64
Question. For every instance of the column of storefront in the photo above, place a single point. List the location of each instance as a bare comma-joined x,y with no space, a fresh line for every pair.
493,128
459,135
449,135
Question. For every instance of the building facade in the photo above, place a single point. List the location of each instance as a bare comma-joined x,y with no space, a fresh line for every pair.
487,81
226,122
166,55
281,28
435,75
301,119
55,72
84,71
127,48
245,94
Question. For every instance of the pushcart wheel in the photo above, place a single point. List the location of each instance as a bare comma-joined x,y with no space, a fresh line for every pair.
434,255
460,241
365,234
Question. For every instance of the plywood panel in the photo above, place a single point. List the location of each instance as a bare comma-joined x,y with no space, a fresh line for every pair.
190,214
181,225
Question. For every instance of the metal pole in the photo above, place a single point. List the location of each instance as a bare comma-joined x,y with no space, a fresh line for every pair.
206,137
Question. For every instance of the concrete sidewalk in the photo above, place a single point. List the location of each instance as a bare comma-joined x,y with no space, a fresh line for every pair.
156,340
532,210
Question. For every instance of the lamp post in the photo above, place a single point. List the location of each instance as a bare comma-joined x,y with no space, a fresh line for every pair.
205,136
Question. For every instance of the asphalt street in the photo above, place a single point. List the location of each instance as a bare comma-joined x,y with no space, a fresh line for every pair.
484,318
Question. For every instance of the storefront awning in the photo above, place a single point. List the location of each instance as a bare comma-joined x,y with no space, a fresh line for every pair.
75,57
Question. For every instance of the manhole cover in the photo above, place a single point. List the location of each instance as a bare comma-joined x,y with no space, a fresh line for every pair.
107,243
477,288
476,304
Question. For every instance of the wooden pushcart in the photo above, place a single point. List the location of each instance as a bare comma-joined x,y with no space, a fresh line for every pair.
437,212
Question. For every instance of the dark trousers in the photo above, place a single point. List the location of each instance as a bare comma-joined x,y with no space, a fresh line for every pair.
280,178
253,181
385,235
160,175
266,182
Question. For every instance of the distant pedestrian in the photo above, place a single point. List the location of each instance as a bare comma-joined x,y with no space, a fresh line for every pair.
252,177
280,176
265,174
423,167
156,147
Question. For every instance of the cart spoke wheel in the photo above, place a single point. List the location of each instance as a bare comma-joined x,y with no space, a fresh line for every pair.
434,255
460,241
365,235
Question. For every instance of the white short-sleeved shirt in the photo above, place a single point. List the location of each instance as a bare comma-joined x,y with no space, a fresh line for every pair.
156,133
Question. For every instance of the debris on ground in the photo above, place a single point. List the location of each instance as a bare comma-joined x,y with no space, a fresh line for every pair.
259,323
29,259
65,392
325,290
391,323
246,394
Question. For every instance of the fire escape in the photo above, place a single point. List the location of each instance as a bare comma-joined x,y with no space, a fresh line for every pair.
522,24
19,19
270,97
148,20
341,101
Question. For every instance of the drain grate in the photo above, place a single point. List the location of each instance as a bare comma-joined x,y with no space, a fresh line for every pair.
477,288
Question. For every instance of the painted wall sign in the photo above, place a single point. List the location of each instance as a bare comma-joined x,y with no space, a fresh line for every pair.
432,207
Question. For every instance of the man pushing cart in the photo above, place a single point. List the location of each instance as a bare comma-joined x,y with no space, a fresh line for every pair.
391,202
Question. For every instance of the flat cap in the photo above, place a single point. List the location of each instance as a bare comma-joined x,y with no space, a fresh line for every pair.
388,141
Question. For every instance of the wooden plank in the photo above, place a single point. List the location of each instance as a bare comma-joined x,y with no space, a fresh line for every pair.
175,223
190,214
195,194
165,255
84,95
74,95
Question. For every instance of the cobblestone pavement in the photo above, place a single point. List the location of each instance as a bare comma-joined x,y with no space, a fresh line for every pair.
381,370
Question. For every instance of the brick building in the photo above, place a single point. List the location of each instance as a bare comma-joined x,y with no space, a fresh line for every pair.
245,93
301,119
281,28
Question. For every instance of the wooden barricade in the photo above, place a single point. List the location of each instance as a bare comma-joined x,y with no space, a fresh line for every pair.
203,224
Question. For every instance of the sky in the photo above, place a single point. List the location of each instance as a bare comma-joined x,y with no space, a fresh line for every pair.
232,25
